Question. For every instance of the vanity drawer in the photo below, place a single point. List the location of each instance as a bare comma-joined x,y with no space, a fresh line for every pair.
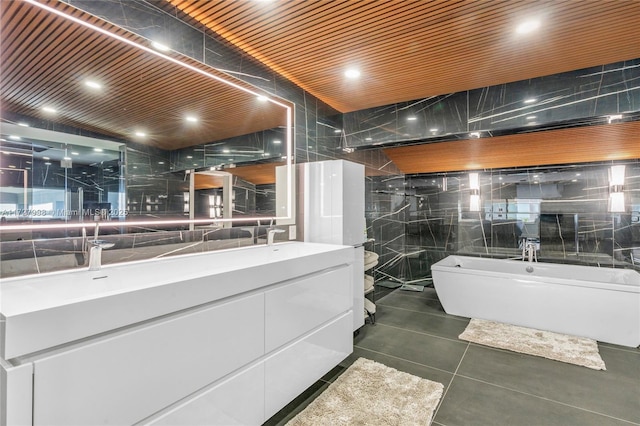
297,308
124,378
238,400
295,367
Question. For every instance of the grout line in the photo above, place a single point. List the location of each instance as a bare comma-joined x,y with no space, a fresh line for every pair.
422,333
545,399
437,314
402,359
444,394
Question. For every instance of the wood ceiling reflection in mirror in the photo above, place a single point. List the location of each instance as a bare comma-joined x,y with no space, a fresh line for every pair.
46,60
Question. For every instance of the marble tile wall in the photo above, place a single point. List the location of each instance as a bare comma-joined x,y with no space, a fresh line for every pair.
386,210
563,210
582,97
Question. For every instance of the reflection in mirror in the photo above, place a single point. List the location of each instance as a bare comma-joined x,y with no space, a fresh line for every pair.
114,130
172,114
51,175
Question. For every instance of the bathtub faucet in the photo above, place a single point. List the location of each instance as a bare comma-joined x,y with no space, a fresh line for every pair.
271,234
95,254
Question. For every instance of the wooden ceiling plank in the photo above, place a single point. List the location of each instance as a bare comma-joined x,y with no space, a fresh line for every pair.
326,40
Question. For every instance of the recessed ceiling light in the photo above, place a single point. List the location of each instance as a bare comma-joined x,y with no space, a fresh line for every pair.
528,26
45,158
412,118
75,153
23,124
49,110
277,141
531,117
433,130
160,162
263,98
337,131
98,149
93,84
352,73
191,119
530,100
226,150
66,158
189,156
161,47
47,164
141,134
368,139
15,138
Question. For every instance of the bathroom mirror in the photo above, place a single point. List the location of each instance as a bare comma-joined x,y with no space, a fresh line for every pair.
153,115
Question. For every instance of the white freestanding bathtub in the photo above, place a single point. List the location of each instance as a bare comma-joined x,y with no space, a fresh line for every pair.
599,303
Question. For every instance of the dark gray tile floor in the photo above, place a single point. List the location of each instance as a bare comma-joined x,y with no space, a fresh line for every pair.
486,386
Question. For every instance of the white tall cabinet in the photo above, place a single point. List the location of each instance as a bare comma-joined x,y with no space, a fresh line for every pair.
331,210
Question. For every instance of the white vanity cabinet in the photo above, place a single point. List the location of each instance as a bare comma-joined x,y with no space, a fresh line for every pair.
234,359
143,370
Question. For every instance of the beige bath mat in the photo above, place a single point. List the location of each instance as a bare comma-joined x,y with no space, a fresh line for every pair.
370,393
560,347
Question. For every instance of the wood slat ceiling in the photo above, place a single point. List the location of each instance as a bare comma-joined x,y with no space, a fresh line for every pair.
564,146
45,60
412,49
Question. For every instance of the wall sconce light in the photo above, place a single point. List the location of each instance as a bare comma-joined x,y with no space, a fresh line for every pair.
616,189
215,206
185,206
474,187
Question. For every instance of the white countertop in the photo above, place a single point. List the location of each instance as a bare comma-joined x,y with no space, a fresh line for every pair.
67,305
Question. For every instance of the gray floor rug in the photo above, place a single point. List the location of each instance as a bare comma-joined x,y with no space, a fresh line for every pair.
370,393
560,347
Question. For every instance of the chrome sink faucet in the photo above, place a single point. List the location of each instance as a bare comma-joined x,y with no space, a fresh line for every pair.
530,253
271,234
95,254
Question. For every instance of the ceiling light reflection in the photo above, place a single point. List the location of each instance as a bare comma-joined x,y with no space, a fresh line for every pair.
352,73
528,26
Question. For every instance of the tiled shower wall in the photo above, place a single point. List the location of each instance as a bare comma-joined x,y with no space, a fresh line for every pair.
420,219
